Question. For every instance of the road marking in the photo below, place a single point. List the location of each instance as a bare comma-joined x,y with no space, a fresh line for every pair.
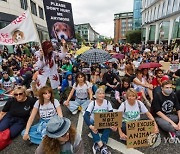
80,123
120,147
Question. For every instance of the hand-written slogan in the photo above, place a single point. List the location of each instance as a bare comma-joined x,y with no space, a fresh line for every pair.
19,19
107,119
138,132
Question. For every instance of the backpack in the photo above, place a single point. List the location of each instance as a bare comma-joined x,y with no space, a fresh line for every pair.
5,139
94,105
139,105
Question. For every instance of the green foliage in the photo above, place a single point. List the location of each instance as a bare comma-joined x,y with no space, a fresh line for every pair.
79,38
133,36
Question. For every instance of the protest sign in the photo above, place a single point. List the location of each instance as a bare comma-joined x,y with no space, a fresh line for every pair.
138,132
109,47
19,31
165,65
107,119
59,20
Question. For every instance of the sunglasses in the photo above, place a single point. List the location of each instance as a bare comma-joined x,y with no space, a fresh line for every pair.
20,94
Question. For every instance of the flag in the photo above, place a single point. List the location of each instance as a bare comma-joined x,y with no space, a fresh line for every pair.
19,31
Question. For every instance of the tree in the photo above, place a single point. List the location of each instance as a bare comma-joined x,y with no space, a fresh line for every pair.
133,36
79,38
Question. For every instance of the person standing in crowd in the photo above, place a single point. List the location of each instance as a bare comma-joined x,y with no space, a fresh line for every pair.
16,112
99,105
47,67
61,137
47,107
163,105
81,88
131,109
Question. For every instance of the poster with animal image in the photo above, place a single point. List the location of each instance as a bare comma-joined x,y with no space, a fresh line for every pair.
59,20
138,133
107,120
18,31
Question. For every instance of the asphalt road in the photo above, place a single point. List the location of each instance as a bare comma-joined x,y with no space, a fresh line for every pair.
18,146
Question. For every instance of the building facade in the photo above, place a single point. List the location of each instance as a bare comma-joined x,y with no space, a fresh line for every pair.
87,32
11,9
122,23
160,20
137,18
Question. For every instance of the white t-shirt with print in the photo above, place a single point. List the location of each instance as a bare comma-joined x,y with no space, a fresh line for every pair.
82,91
95,108
47,111
132,112
7,84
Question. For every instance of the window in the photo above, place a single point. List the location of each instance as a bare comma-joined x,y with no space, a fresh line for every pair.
152,32
176,5
170,5
41,15
33,8
24,4
176,28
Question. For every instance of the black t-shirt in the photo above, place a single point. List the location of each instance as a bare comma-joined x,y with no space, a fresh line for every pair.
19,109
177,73
121,89
165,104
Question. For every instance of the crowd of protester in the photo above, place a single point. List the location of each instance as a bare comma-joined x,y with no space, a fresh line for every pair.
36,81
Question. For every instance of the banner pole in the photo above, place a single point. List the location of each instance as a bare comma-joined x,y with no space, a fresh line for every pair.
35,28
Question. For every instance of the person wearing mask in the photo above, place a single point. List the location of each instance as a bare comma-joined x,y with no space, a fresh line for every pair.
163,105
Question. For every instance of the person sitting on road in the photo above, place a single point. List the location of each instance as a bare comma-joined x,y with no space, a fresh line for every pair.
99,105
96,79
141,85
7,83
131,109
61,137
82,89
108,80
121,89
16,112
163,105
66,86
47,107
157,80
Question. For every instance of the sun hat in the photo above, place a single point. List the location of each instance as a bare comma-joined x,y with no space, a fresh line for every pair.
57,126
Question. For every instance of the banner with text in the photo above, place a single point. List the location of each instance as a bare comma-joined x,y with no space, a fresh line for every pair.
138,133
107,119
19,31
59,20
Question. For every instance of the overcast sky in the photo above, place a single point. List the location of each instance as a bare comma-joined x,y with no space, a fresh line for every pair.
99,13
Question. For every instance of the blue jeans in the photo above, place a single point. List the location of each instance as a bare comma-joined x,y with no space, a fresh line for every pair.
15,124
73,105
105,135
123,128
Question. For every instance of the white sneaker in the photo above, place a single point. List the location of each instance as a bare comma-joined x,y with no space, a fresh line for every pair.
74,112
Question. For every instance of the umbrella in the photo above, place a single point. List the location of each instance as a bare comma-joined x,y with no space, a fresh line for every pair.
118,56
95,56
149,65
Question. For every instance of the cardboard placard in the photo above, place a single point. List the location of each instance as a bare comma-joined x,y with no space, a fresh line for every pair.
109,47
165,65
138,132
107,119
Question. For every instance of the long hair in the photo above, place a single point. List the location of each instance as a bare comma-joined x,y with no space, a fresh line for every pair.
42,91
80,74
52,146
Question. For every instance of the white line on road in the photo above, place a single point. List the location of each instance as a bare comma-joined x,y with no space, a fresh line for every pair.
120,147
80,123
